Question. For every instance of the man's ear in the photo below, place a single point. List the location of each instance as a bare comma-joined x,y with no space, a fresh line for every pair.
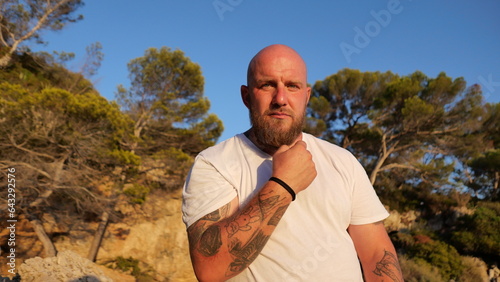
245,96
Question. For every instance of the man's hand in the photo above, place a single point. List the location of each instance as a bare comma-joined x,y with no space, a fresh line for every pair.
294,165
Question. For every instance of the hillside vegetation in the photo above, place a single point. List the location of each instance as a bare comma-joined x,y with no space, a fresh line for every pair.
431,146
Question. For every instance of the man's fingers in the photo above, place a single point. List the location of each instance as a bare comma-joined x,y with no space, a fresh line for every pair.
300,143
282,149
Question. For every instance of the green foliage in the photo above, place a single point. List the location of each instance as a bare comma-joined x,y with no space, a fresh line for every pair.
62,143
89,110
133,267
486,169
136,192
37,71
419,270
171,165
418,114
166,102
25,20
478,233
174,154
165,85
409,131
125,157
128,264
440,255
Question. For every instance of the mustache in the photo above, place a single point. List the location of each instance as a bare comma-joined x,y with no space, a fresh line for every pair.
279,111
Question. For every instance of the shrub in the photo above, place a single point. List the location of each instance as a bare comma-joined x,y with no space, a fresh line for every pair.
136,192
474,270
441,255
418,270
478,233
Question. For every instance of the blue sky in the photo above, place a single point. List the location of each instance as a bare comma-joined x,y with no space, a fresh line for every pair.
461,38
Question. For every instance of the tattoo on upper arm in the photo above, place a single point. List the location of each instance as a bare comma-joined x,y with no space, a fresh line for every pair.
210,241
388,266
213,216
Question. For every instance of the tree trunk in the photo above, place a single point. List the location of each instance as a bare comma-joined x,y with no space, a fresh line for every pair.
384,154
48,246
5,60
96,243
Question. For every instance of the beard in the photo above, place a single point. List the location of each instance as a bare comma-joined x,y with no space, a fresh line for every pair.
271,133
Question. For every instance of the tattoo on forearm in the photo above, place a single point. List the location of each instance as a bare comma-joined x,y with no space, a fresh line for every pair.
267,204
277,216
245,254
242,222
210,241
388,266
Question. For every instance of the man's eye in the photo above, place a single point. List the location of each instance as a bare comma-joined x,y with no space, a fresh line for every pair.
294,86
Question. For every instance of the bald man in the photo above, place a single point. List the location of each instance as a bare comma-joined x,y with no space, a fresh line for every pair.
277,204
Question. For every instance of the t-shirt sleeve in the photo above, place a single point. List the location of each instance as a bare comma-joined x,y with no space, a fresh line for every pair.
205,190
366,205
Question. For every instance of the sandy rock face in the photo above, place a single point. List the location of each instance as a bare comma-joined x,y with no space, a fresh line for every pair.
66,266
152,233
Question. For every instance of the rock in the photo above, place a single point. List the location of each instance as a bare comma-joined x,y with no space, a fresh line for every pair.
152,233
66,266
401,221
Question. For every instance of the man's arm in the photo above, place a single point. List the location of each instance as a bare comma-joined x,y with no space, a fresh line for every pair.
223,247
224,243
376,252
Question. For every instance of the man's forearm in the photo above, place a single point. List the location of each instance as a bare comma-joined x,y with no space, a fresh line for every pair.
222,245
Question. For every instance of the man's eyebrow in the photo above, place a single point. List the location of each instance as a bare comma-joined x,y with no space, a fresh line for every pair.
258,81
294,82
261,81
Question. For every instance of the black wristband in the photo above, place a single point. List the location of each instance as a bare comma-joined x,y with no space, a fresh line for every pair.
282,183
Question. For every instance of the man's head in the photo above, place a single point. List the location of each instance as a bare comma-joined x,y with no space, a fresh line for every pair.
276,95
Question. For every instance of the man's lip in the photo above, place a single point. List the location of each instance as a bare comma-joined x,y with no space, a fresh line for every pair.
279,115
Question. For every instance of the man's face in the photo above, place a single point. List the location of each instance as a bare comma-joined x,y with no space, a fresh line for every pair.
277,97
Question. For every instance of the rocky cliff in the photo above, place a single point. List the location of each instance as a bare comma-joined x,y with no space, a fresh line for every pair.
150,236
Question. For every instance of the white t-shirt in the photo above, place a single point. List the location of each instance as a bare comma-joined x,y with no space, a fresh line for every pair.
311,242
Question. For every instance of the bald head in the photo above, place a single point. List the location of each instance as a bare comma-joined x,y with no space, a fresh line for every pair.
270,55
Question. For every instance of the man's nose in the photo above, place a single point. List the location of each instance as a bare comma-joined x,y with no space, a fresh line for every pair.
280,96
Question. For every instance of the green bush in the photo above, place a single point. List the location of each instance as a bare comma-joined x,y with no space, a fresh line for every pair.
441,255
137,193
419,270
128,265
478,233
132,266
